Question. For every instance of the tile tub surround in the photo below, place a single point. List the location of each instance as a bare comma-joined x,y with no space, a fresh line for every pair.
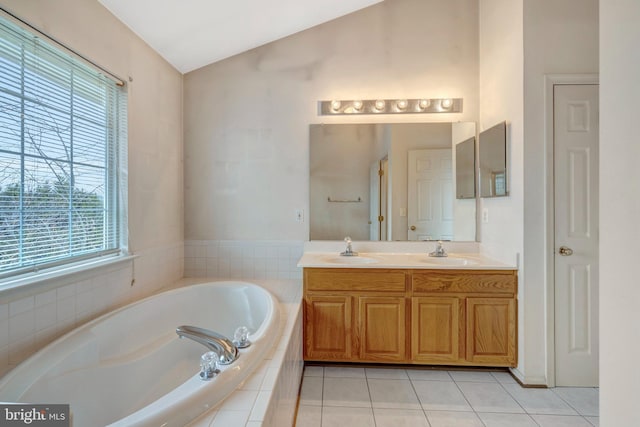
363,396
34,315
243,259
268,397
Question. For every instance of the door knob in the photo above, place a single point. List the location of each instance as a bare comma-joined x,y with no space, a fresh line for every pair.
565,251
413,228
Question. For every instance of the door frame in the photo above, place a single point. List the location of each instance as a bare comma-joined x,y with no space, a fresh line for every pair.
550,81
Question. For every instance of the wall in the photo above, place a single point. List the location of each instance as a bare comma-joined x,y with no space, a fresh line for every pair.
521,42
559,38
502,98
619,213
31,317
247,117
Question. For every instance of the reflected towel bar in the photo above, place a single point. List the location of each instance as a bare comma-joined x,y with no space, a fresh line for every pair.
330,200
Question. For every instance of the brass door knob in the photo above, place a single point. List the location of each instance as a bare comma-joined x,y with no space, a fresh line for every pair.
413,228
565,251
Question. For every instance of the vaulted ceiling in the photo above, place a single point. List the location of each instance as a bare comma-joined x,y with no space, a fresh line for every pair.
193,33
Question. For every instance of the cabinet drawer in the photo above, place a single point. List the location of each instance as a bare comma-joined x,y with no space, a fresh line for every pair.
373,280
483,281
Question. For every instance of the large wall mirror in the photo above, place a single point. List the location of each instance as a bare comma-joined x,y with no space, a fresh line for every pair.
389,182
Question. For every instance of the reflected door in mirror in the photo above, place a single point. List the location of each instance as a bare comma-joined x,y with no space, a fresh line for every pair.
430,188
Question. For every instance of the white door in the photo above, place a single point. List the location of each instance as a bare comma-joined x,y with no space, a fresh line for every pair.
576,234
430,194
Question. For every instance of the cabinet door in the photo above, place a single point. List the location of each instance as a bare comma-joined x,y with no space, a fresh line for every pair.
491,331
435,335
382,329
327,331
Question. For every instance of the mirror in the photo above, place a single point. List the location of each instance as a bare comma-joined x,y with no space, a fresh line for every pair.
389,182
466,169
492,147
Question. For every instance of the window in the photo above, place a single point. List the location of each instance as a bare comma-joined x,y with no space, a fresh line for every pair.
62,132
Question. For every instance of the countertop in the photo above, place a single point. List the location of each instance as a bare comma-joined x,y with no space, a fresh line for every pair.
454,261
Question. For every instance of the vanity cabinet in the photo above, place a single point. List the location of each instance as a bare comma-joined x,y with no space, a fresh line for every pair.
465,317
440,317
355,315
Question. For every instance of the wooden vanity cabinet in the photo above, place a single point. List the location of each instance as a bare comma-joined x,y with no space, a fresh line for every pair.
440,317
355,315
464,317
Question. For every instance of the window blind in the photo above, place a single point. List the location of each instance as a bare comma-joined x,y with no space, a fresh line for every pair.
62,129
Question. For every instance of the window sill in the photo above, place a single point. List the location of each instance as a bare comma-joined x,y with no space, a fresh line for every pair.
32,283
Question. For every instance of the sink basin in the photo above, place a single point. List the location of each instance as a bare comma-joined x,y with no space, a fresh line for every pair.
449,261
350,260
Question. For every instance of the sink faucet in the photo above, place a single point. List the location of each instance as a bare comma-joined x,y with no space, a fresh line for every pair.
349,251
227,352
439,252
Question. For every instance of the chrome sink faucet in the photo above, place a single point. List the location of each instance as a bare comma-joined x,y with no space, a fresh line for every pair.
349,250
227,352
439,252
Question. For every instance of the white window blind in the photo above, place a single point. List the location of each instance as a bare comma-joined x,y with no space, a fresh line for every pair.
62,132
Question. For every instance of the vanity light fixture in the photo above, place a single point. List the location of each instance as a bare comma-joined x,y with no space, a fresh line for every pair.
390,106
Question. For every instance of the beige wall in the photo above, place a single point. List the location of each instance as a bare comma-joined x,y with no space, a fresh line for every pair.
247,117
520,43
31,316
501,98
155,109
619,213
560,37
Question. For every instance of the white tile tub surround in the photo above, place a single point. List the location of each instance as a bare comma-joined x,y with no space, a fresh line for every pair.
268,397
243,259
34,315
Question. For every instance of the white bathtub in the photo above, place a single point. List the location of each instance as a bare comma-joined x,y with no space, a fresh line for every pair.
129,368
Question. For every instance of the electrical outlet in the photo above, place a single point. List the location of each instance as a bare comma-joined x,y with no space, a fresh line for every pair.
485,215
299,215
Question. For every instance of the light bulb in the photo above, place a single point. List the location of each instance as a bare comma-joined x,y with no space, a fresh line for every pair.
335,105
357,105
401,104
380,104
446,103
424,104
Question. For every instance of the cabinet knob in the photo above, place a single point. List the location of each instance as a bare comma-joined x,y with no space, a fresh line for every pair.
413,228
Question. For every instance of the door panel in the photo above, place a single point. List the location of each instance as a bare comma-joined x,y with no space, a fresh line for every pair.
382,329
328,327
491,326
576,234
435,329
430,194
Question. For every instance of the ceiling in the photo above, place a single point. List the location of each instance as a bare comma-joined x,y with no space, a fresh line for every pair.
194,33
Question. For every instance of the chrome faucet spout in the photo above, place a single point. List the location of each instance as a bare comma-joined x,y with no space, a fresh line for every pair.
227,352
349,250
439,252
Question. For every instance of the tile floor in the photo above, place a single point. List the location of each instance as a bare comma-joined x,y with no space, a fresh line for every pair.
389,397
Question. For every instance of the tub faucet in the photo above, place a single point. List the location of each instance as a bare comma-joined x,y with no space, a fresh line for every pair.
439,252
227,352
349,251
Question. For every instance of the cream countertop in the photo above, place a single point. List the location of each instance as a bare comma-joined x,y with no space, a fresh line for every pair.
454,261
